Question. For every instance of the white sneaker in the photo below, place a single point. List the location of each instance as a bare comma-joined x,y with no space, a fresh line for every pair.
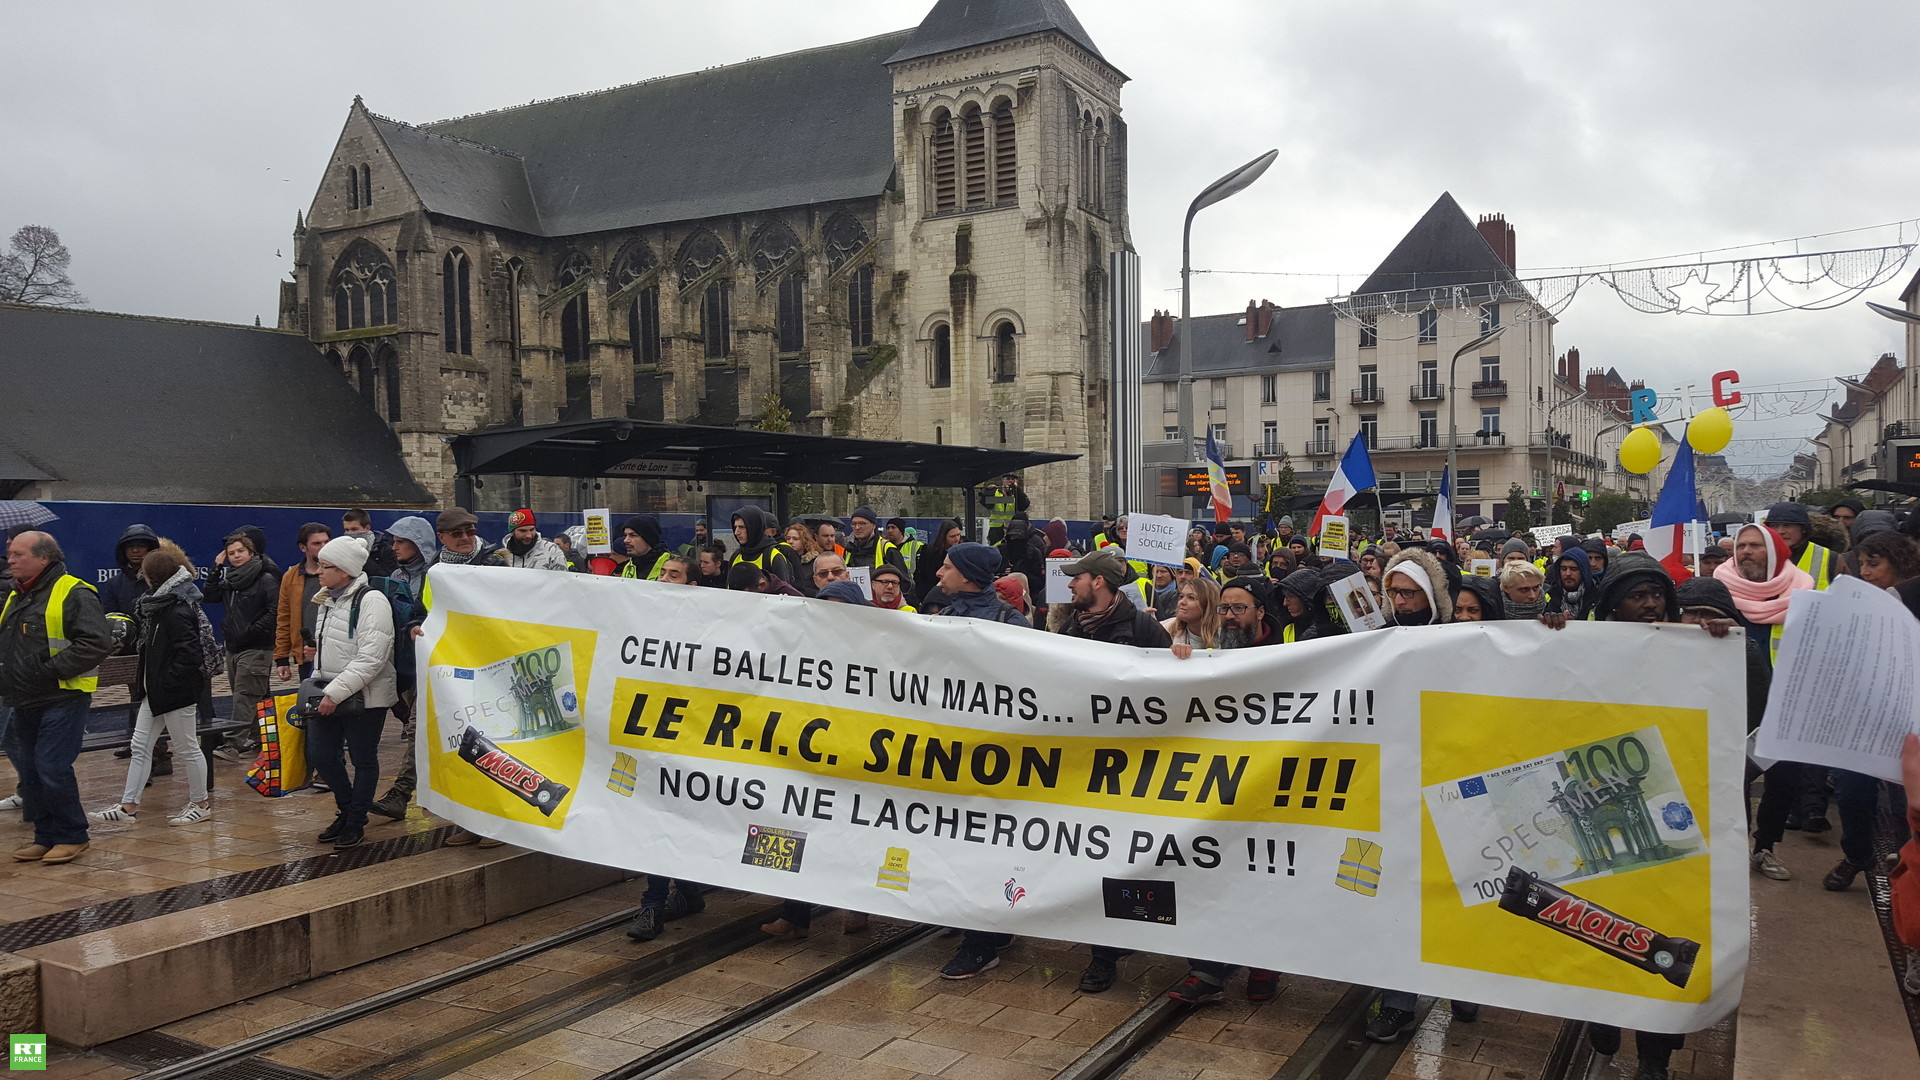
12,802
112,815
191,814
1767,863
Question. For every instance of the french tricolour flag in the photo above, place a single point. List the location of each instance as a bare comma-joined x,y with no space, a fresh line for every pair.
1666,535
1354,475
1443,509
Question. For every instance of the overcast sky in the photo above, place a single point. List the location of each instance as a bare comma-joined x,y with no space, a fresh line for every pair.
170,145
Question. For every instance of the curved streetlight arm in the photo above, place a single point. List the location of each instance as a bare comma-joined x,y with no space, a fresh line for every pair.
1231,184
1453,398
1899,315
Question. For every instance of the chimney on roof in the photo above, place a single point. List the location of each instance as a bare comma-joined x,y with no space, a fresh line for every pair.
1161,333
1596,383
1573,364
1252,320
1499,236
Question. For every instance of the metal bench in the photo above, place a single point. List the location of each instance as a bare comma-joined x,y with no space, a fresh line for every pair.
125,671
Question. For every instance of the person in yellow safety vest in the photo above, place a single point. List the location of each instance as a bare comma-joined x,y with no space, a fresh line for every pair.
646,557
1795,526
1003,500
1103,535
1762,576
901,536
1236,562
865,546
53,635
757,548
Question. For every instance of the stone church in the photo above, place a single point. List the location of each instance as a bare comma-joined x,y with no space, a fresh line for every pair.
909,242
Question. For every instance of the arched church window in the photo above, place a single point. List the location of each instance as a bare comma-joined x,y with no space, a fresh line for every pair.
575,334
843,238
387,363
699,256
1006,166
516,274
1086,160
716,319
360,372
353,188
860,306
363,286
366,185
942,373
635,263
643,325
1099,179
973,137
456,302
573,266
943,162
1003,353
774,247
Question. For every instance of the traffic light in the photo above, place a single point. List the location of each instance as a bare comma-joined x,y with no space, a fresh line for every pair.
1586,496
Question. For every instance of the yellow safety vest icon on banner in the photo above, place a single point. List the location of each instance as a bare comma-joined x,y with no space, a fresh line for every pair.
1359,868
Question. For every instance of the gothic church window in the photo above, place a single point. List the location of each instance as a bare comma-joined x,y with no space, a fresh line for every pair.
360,372
942,373
943,162
792,318
703,255
516,273
643,311
575,334
353,188
843,238
366,185
860,306
387,365
456,302
1097,183
363,288
776,254
572,268
1003,353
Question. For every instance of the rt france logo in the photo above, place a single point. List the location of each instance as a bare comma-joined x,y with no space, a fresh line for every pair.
27,1052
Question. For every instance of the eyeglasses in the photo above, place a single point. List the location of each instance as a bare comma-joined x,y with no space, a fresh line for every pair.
833,572
464,530
1405,594
1234,609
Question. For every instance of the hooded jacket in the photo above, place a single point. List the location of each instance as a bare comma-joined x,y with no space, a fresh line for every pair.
1628,570
419,532
119,593
542,554
1578,603
1273,624
1493,602
29,676
1022,549
1310,587
1427,572
251,596
170,676
759,549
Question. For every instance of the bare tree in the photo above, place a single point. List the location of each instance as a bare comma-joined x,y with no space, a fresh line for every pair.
34,270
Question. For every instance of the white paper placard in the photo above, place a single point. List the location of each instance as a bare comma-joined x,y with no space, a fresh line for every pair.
1059,585
599,530
1357,605
1547,534
863,577
1155,539
1333,537
1482,567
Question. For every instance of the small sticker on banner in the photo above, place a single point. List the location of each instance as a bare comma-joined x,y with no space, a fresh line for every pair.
1141,901
893,870
624,775
774,849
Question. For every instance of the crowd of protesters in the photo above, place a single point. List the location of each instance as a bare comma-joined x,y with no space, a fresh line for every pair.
341,616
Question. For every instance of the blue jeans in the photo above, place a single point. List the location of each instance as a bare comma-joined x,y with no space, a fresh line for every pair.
359,737
47,740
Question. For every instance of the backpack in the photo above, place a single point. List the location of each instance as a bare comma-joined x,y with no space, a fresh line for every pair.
213,657
406,616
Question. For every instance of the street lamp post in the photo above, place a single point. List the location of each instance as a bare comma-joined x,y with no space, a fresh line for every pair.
1453,397
1910,320
1551,409
1596,452
1231,184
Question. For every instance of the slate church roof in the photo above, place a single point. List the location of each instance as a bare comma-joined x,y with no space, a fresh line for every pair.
962,24
127,408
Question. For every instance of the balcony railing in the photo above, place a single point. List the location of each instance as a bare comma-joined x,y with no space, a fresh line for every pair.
1269,449
1466,440
1902,429
1490,388
1318,448
1365,395
1426,392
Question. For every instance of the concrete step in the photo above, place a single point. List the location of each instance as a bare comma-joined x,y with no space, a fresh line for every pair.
110,983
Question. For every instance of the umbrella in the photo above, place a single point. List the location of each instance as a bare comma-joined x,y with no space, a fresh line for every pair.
16,513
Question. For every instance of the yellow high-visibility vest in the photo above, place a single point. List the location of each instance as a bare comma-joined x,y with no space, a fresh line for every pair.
1817,561
86,682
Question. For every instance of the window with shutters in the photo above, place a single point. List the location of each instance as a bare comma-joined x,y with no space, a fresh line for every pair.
1006,162
945,179
456,303
973,140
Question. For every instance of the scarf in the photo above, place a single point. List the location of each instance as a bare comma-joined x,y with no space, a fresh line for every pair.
1764,602
1121,610
1517,610
455,558
242,577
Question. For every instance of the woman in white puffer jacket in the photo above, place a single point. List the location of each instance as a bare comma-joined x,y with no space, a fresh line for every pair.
355,664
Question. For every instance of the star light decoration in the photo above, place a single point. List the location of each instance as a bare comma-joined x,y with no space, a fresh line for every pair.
1694,294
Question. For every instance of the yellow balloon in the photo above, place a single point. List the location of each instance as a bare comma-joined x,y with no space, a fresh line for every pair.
1640,451
1711,431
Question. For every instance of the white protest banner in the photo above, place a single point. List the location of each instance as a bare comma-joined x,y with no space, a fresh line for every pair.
1155,539
1696,537
1843,691
599,530
1059,585
1628,528
1482,567
1333,537
863,577
1037,784
1547,534
1355,599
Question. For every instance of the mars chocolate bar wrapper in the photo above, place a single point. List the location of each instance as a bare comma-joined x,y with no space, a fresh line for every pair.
510,772
1671,958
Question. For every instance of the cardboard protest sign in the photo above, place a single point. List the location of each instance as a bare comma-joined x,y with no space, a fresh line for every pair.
1155,539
